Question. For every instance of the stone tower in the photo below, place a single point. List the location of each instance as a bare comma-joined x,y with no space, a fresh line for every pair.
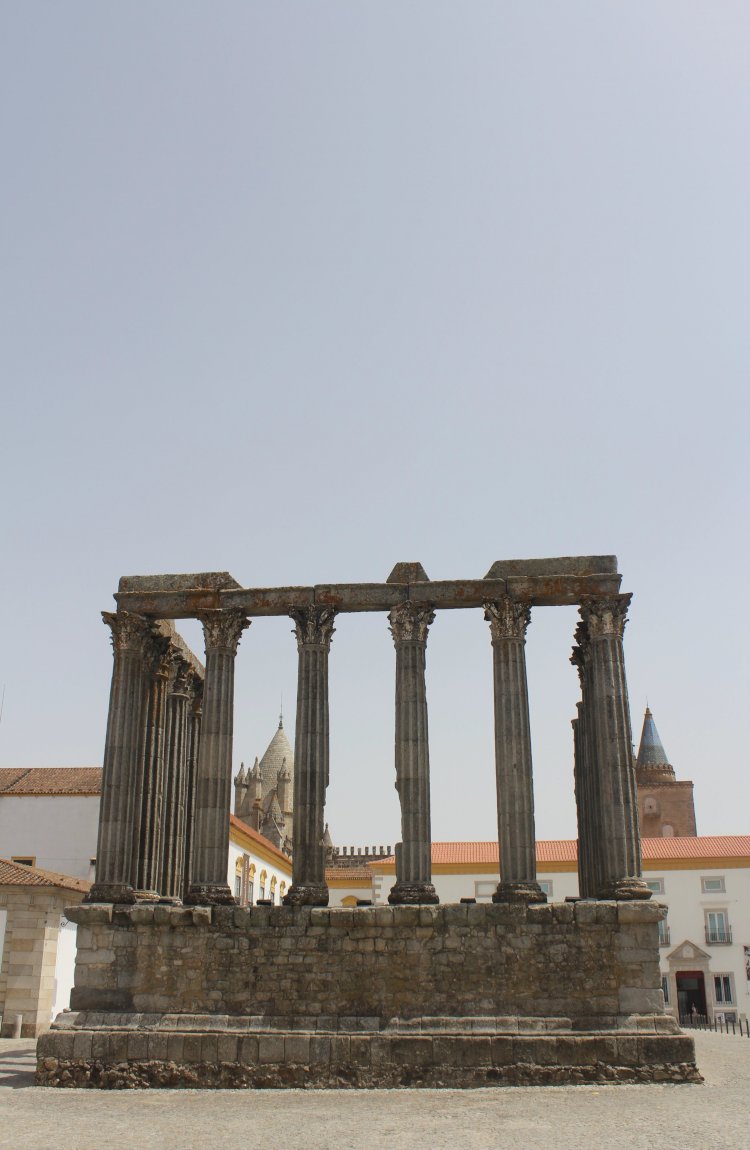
264,795
665,803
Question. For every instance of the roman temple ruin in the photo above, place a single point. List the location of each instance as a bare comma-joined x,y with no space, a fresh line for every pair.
178,985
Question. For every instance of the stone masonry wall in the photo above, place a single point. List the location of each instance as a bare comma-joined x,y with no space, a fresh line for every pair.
595,963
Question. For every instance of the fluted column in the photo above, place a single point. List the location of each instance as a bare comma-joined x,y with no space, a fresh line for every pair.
615,834
210,849
314,629
114,875
150,787
195,717
508,619
409,625
175,779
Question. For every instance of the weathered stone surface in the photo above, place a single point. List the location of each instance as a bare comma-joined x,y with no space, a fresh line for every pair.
563,565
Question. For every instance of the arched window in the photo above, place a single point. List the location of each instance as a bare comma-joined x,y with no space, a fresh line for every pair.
262,886
238,879
273,889
250,884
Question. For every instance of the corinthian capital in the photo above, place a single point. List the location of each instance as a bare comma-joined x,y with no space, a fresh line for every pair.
222,629
409,623
605,618
313,625
129,632
508,618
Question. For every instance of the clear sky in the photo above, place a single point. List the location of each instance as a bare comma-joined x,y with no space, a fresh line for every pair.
301,290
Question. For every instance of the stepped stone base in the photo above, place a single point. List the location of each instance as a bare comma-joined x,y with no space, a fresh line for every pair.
434,996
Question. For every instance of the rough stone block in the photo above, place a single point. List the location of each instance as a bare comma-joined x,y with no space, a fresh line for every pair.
412,1051
249,1047
297,1048
270,1048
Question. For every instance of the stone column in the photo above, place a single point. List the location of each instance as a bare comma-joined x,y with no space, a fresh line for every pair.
314,629
175,781
508,621
194,737
213,792
147,860
114,875
409,625
614,826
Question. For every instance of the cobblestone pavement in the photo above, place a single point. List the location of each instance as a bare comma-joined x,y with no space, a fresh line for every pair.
715,1116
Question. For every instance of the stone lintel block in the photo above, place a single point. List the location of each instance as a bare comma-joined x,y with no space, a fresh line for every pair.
90,914
204,581
450,594
560,590
360,596
268,600
562,565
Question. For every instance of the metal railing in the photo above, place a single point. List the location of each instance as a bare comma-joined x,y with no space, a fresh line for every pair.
718,1025
719,937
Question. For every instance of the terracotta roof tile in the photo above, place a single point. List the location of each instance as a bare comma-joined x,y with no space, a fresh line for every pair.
16,874
51,781
348,874
260,839
566,850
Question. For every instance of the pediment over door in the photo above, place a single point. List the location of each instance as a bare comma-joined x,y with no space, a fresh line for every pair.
688,951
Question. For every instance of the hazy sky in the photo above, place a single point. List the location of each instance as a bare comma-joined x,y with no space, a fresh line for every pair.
300,290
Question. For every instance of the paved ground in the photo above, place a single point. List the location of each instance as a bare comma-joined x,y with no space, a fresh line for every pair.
715,1116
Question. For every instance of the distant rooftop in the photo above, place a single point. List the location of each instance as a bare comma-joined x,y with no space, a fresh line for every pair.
50,781
16,874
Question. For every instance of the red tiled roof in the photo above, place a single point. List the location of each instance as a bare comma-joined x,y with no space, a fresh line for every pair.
566,850
348,874
261,840
16,874
51,781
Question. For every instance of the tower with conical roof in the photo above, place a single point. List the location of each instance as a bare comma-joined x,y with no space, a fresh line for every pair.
264,796
665,803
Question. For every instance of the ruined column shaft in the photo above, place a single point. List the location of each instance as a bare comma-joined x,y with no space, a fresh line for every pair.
213,790
148,823
191,774
173,845
615,837
409,626
314,629
114,855
515,785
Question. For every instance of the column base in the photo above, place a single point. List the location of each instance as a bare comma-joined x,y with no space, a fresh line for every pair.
306,894
624,888
413,894
147,896
209,894
524,892
110,892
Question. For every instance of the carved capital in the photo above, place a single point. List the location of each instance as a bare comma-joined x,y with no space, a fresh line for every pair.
129,632
159,656
182,673
409,623
508,618
223,628
605,618
313,625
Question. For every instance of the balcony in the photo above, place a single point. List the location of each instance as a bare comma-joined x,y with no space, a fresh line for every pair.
719,937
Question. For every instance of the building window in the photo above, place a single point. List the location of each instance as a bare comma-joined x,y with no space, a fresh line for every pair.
665,988
262,891
546,886
663,933
713,884
483,891
656,885
723,992
717,927
24,860
250,892
238,887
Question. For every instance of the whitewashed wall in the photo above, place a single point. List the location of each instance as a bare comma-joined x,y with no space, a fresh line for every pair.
278,877
58,830
65,962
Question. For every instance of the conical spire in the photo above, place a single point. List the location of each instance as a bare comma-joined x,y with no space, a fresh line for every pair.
651,753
